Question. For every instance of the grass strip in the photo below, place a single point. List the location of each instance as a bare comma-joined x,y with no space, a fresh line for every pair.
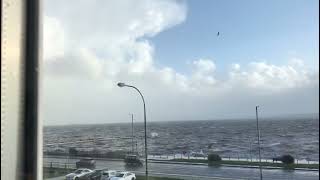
249,163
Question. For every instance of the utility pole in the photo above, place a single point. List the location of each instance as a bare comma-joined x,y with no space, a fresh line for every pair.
250,141
132,133
258,133
137,148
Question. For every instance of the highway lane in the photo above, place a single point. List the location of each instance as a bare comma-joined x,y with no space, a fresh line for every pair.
201,170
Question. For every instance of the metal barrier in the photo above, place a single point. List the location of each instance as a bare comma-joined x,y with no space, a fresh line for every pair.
59,165
238,158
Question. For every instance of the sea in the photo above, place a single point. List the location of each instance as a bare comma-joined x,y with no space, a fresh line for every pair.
298,137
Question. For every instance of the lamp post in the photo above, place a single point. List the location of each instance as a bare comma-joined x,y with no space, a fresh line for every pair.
250,150
145,124
132,133
258,133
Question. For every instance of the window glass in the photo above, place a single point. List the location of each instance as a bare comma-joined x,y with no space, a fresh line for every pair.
120,175
78,171
205,88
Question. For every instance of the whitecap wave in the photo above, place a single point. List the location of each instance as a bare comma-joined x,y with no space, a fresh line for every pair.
154,135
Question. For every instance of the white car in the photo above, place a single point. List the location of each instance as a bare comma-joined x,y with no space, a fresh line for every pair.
108,174
124,176
77,174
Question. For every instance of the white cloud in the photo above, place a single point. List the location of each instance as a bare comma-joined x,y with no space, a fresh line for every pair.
204,66
263,76
95,44
54,38
203,72
111,24
80,63
235,67
141,57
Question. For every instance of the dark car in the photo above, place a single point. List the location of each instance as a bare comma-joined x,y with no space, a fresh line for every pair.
94,175
132,160
86,163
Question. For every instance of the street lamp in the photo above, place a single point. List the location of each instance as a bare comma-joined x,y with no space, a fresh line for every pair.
258,133
120,84
132,133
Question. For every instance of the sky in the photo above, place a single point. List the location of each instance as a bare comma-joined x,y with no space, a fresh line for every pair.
266,54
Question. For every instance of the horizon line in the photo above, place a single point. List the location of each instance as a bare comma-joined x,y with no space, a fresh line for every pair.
313,115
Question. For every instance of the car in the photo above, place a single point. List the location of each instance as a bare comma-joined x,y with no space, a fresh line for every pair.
132,160
86,163
78,174
124,176
198,154
107,175
94,175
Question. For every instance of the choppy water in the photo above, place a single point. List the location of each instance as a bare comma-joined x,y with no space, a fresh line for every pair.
299,137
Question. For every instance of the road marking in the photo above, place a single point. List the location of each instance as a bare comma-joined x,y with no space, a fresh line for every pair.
190,176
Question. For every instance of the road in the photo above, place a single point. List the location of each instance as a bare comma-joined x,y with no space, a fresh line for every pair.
201,170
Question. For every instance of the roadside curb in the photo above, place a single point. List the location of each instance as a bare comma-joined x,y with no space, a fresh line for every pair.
172,162
79,157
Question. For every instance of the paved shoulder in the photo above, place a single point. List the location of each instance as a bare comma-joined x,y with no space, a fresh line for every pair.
56,178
